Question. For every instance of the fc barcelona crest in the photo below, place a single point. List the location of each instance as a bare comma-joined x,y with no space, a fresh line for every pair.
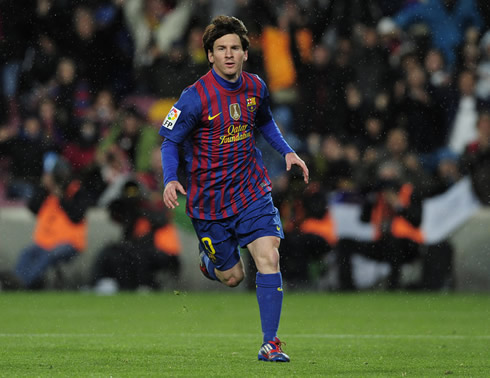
251,104
235,111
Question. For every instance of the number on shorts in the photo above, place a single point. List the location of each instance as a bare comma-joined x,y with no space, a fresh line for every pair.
208,244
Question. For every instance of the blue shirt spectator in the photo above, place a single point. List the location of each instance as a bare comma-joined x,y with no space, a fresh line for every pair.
447,20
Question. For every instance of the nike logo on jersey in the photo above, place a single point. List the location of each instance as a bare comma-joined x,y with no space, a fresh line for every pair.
210,118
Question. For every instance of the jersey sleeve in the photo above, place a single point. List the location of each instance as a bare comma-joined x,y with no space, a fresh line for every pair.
183,116
264,113
170,160
267,125
273,136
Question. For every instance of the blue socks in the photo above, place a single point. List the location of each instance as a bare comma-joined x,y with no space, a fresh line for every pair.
269,297
209,266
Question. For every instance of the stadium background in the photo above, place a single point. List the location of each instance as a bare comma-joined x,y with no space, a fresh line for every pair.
149,73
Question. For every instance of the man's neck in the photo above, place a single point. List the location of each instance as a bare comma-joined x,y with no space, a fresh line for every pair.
227,84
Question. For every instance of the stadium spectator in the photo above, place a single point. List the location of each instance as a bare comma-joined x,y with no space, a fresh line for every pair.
476,159
52,19
315,91
228,188
371,63
395,149
81,152
93,45
437,258
113,168
435,66
394,208
470,54
279,63
482,69
44,56
463,114
373,132
351,113
71,96
448,171
390,40
195,48
155,27
14,39
24,150
342,75
331,165
447,21
287,37
301,266
419,111
104,111
152,179
346,16
176,69
52,127
134,136
150,244
60,234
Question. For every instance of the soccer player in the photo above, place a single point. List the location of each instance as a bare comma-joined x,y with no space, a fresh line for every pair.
228,191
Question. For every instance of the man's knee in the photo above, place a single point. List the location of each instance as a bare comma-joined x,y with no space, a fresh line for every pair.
233,281
233,276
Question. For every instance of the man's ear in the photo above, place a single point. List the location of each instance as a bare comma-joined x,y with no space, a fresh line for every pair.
245,57
210,56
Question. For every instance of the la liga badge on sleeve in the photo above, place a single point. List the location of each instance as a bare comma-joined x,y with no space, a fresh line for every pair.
171,118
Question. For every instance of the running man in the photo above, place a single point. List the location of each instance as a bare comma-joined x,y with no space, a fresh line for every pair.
228,189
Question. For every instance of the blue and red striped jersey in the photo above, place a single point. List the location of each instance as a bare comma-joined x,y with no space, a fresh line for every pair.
216,122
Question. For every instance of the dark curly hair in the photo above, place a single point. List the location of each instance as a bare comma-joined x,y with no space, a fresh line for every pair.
220,26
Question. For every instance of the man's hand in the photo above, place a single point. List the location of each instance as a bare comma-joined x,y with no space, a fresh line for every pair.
292,158
170,194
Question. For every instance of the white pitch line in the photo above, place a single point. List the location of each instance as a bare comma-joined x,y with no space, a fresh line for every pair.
236,335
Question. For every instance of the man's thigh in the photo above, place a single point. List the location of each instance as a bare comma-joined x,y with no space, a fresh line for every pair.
260,219
219,241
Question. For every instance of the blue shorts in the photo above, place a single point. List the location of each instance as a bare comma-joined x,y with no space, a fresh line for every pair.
220,239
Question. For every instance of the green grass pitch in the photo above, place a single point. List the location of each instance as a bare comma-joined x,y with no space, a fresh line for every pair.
217,334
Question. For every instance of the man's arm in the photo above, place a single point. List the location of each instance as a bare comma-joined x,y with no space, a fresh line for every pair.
273,136
170,164
181,119
170,160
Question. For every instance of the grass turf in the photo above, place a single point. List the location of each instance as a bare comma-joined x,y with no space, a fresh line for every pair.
218,334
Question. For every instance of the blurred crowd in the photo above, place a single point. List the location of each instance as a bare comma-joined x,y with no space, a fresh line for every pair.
388,102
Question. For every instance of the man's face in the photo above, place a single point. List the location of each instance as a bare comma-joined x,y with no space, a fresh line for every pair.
228,57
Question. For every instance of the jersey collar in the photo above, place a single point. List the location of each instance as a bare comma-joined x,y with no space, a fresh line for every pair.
231,86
